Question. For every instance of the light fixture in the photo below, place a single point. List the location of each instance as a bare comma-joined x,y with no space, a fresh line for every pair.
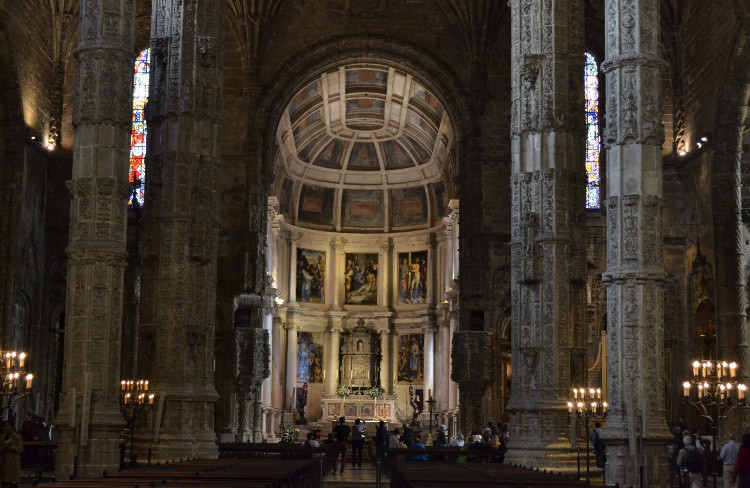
50,147
683,153
699,144
704,139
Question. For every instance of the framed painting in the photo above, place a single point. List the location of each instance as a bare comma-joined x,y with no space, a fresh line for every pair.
311,276
412,277
309,357
361,279
410,358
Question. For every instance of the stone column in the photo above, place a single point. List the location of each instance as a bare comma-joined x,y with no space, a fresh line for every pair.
269,310
180,226
335,270
455,216
291,364
384,273
452,297
332,363
449,259
89,419
385,359
547,220
293,242
429,361
636,429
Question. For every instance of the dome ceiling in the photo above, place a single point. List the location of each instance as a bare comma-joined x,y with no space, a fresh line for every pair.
358,130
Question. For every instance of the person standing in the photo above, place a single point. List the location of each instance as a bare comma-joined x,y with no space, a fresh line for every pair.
341,433
742,468
358,442
408,435
381,441
690,460
728,457
11,447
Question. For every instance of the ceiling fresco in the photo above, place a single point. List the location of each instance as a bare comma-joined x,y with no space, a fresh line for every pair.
366,129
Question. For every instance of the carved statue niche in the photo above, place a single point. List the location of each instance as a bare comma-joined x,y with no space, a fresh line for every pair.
360,358
705,328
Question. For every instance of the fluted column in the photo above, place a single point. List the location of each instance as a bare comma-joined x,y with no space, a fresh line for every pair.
332,363
89,419
547,221
293,242
335,271
291,364
384,273
636,429
385,360
429,361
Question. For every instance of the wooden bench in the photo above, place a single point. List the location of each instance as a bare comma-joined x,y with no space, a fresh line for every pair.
224,473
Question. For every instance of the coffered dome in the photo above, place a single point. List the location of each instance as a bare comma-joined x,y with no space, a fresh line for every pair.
367,147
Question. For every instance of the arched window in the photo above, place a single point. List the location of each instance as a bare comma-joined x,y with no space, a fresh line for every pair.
593,139
139,130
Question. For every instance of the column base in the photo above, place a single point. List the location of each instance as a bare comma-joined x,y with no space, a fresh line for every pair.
102,453
627,468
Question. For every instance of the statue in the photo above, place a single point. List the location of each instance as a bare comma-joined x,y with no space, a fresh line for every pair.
413,403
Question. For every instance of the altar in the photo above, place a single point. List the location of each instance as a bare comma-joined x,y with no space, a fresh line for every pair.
359,406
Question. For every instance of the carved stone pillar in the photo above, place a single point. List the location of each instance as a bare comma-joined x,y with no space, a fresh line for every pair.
180,226
448,276
89,419
269,310
453,205
636,429
291,364
547,220
471,357
251,368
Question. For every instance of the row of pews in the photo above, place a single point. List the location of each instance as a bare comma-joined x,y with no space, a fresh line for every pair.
221,473
417,474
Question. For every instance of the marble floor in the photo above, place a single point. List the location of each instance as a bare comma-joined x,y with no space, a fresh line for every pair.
363,477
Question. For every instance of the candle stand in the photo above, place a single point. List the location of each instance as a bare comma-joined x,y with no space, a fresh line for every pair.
135,400
714,392
586,407
430,404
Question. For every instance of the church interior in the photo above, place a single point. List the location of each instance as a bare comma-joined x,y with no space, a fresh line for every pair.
279,212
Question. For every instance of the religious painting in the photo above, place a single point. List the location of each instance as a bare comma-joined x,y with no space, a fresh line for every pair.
410,358
362,208
316,205
311,276
310,357
412,277
361,279
409,206
363,157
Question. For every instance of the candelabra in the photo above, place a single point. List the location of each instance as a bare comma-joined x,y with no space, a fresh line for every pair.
430,404
135,401
587,406
714,392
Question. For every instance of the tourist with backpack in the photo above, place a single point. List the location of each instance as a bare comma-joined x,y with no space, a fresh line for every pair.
692,464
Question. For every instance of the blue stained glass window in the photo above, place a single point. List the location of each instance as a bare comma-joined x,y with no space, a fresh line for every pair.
139,130
593,138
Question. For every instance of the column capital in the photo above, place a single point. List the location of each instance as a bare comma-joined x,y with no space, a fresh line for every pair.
454,210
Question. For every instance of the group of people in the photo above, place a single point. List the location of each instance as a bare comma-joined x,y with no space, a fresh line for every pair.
691,460
491,442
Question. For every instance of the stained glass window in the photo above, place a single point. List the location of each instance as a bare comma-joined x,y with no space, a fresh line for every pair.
593,139
139,130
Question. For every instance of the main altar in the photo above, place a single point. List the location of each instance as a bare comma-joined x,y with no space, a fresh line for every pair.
359,406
